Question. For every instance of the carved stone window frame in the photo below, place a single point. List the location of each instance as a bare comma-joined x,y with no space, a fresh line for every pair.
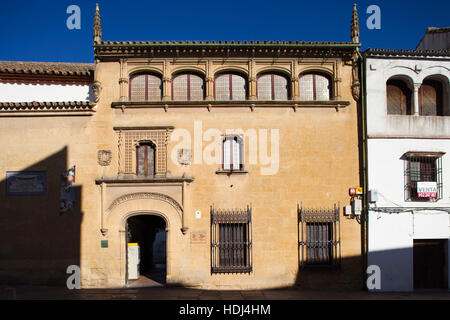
130,137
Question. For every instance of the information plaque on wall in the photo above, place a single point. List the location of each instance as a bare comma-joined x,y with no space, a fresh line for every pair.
26,182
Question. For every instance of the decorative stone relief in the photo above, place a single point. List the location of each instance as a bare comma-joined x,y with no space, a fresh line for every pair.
356,86
184,156
104,157
147,195
97,88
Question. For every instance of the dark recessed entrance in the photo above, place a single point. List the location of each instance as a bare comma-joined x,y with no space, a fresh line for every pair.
430,264
146,251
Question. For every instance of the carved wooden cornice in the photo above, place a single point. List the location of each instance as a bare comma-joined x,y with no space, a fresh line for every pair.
114,50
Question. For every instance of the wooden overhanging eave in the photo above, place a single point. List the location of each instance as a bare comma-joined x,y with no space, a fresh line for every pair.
432,154
117,50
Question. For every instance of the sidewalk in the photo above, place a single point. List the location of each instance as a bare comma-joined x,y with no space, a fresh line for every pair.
61,293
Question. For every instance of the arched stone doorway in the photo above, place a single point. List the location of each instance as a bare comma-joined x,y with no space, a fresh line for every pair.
145,250
127,205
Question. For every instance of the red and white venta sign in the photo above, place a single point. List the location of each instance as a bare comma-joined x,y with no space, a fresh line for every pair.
426,189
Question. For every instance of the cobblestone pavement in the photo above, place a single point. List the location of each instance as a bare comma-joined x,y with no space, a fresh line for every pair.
60,293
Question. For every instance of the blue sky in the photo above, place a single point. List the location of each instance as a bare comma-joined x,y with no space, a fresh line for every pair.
33,30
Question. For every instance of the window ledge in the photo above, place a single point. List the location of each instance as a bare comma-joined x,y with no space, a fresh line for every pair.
138,179
294,104
229,172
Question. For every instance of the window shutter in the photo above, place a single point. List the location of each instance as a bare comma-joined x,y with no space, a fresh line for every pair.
179,88
140,150
222,87
280,88
306,87
236,154
264,87
427,100
227,154
150,161
238,86
154,88
137,89
396,100
322,88
195,88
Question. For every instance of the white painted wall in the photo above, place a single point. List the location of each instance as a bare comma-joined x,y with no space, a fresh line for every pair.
386,169
378,71
19,92
391,235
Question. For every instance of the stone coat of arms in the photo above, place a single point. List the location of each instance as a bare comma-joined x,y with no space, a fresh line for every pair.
104,157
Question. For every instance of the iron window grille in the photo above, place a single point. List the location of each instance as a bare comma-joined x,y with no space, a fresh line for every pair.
422,167
231,240
319,236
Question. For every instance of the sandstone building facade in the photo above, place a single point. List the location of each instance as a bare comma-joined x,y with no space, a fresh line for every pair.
227,163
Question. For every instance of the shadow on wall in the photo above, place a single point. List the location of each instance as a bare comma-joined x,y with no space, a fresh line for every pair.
37,243
425,265
348,276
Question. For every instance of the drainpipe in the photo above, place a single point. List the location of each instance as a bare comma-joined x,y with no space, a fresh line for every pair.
364,165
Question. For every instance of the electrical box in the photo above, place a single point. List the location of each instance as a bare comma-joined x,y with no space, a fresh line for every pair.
347,210
357,207
372,196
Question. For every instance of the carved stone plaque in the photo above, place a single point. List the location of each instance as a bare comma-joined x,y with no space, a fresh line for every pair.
198,237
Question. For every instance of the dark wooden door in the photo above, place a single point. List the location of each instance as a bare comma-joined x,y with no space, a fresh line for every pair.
429,264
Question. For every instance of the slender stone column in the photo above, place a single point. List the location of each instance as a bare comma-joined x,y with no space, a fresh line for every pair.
167,82
209,82
416,98
167,88
294,88
123,80
252,80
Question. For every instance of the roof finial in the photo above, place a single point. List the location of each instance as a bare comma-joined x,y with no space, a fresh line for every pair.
355,25
97,25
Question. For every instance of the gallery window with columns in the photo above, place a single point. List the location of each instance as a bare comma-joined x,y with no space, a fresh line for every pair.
427,98
239,79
